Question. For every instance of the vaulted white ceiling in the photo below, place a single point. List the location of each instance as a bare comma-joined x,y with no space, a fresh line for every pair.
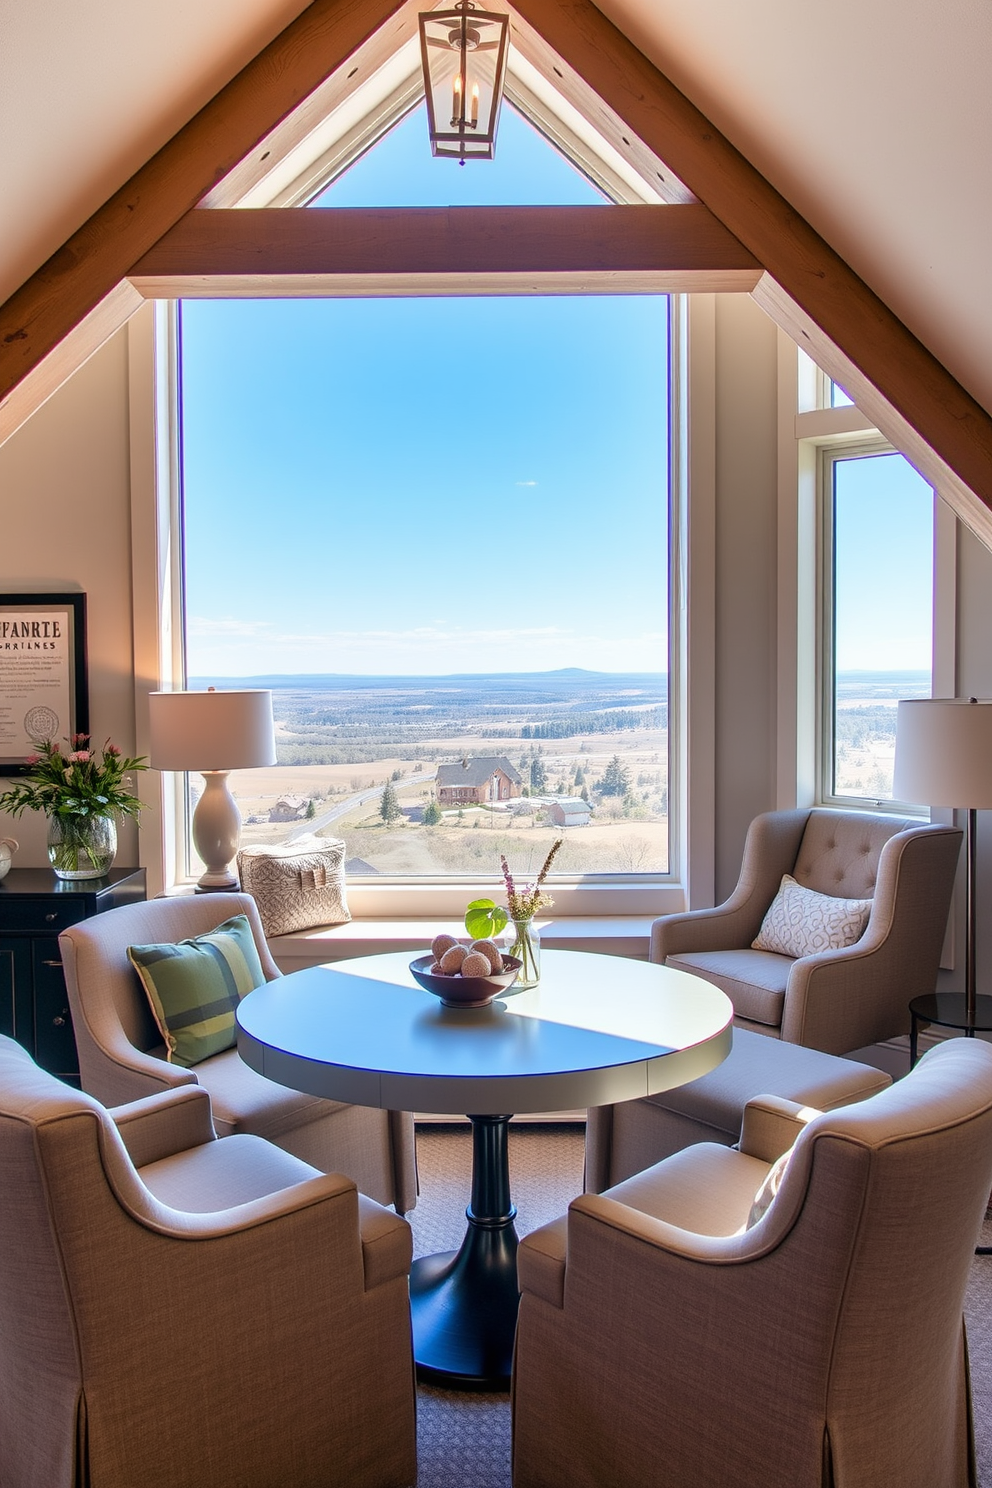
875,121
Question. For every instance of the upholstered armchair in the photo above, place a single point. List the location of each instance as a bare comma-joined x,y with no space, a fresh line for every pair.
178,1310
661,1340
122,1056
837,1000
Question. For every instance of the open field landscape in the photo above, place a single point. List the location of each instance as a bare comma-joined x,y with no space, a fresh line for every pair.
866,705
595,739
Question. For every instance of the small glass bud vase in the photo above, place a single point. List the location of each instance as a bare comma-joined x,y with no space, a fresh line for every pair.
523,940
81,846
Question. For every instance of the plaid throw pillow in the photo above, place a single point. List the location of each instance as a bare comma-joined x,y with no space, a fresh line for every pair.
195,985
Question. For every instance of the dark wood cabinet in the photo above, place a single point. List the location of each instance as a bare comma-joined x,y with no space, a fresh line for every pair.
34,907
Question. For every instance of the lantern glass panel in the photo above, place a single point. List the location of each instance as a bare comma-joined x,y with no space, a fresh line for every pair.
463,85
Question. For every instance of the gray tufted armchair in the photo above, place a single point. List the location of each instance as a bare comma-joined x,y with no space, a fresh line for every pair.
835,1000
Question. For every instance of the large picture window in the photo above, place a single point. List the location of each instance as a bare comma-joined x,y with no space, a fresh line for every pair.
438,529
878,546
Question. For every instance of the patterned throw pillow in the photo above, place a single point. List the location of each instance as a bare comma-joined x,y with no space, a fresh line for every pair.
195,985
801,922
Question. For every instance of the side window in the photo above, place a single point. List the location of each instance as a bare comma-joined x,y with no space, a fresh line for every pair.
876,640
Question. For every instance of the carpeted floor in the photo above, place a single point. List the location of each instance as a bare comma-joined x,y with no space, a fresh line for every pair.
464,1438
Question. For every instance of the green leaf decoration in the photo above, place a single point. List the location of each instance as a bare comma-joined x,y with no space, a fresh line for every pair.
484,919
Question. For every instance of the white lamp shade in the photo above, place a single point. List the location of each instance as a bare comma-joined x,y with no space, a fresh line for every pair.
211,730
944,752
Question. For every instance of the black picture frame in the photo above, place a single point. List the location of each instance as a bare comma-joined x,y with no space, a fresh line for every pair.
43,675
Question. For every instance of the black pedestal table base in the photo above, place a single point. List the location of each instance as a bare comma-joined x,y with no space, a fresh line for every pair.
464,1302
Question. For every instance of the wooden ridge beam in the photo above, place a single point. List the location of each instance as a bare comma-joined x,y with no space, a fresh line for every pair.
463,250
89,269
808,289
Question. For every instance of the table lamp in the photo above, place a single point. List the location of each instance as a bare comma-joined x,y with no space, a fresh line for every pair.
944,758
214,733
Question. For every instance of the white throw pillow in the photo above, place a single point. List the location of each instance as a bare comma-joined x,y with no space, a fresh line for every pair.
801,922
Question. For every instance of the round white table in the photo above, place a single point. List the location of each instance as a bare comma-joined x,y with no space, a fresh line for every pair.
596,1030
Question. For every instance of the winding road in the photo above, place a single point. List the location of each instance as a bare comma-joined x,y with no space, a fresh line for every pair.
341,808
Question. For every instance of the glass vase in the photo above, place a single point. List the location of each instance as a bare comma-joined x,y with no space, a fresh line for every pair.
524,942
81,846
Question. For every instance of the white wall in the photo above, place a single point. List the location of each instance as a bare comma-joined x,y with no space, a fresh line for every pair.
65,525
746,575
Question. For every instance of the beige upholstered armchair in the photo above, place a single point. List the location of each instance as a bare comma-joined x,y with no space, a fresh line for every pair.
835,1000
122,1057
177,1310
660,1341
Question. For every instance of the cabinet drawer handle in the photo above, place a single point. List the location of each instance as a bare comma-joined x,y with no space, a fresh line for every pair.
51,963
50,917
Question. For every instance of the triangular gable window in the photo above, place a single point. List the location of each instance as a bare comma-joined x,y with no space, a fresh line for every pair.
527,171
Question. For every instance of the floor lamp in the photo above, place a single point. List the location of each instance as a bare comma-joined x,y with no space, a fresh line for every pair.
213,732
944,758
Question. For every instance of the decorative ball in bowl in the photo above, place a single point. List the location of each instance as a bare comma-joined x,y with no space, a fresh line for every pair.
464,991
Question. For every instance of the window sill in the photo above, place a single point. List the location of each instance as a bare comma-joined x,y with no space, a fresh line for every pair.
616,935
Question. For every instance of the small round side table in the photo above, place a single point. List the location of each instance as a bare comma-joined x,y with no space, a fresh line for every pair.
948,1009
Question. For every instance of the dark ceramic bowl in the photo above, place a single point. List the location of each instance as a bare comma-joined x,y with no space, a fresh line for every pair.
459,991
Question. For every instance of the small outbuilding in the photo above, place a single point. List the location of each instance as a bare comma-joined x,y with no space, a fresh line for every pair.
569,811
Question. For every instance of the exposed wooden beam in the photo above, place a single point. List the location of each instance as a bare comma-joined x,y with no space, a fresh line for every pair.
926,436
330,93
80,342
808,289
78,279
446,250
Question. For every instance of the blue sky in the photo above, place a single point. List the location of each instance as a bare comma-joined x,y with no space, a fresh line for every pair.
411,486
884,577
433,486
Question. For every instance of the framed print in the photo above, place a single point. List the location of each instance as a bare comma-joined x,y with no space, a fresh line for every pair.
43,691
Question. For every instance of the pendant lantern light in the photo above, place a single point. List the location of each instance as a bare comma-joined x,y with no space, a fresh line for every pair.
464,56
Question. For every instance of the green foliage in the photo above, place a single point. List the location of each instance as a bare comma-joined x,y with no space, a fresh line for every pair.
538,777
484,919
389,806
311,810
432,814
616,779
76,782
606,722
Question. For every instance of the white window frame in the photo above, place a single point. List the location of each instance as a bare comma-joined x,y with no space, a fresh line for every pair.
155,427
810,432
334,144
828,457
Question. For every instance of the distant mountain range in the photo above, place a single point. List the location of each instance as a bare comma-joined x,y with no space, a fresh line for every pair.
883,685
564,682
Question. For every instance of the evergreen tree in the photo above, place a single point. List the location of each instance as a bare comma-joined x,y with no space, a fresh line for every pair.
389,806
538,776
432,814
311,810
616,779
